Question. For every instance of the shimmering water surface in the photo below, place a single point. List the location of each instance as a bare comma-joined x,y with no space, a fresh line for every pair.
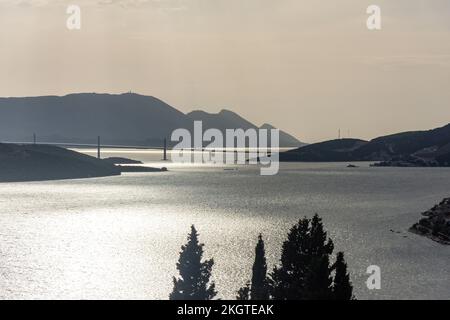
119,237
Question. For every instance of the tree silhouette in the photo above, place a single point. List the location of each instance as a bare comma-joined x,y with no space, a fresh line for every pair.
319,243
194,281
258,290
318,280
244,292
304,272
342,286
288,280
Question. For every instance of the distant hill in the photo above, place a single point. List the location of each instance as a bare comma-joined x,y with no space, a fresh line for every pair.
428,147
125,119
425,144
226,119
286,140
333,150
40,162
119,119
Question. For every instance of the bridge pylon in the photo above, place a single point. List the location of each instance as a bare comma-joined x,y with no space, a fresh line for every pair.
165,150
98,148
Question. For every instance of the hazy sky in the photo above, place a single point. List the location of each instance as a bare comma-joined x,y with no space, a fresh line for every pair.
306,66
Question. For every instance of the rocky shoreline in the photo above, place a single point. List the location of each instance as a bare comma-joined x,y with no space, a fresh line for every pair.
410,161
436,223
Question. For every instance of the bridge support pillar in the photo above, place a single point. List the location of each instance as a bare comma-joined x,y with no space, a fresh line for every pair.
98,147
165,150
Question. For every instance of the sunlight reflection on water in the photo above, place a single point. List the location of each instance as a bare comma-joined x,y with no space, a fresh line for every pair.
119,237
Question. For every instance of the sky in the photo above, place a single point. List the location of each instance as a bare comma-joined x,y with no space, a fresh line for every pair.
307,67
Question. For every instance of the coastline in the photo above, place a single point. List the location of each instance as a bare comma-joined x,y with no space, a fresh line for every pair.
26,163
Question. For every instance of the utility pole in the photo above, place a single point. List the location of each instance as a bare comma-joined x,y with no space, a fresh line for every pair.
98,147
165,150
34,138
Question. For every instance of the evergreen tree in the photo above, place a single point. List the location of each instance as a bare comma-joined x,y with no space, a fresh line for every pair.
258,289
318,282
319,243
304,272
287,282
342,286
244,292
194,281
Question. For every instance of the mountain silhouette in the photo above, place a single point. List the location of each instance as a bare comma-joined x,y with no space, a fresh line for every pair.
227,119
431,146
124,119
333,150
118,119
286,140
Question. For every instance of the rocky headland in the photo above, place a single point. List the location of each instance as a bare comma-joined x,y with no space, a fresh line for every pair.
436,223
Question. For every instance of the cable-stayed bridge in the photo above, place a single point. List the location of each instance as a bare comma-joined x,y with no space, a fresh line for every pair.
98,145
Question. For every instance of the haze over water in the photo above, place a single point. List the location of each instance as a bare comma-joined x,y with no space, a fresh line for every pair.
119,237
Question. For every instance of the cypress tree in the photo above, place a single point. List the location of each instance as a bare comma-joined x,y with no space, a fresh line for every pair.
258,289
342,286
194,281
